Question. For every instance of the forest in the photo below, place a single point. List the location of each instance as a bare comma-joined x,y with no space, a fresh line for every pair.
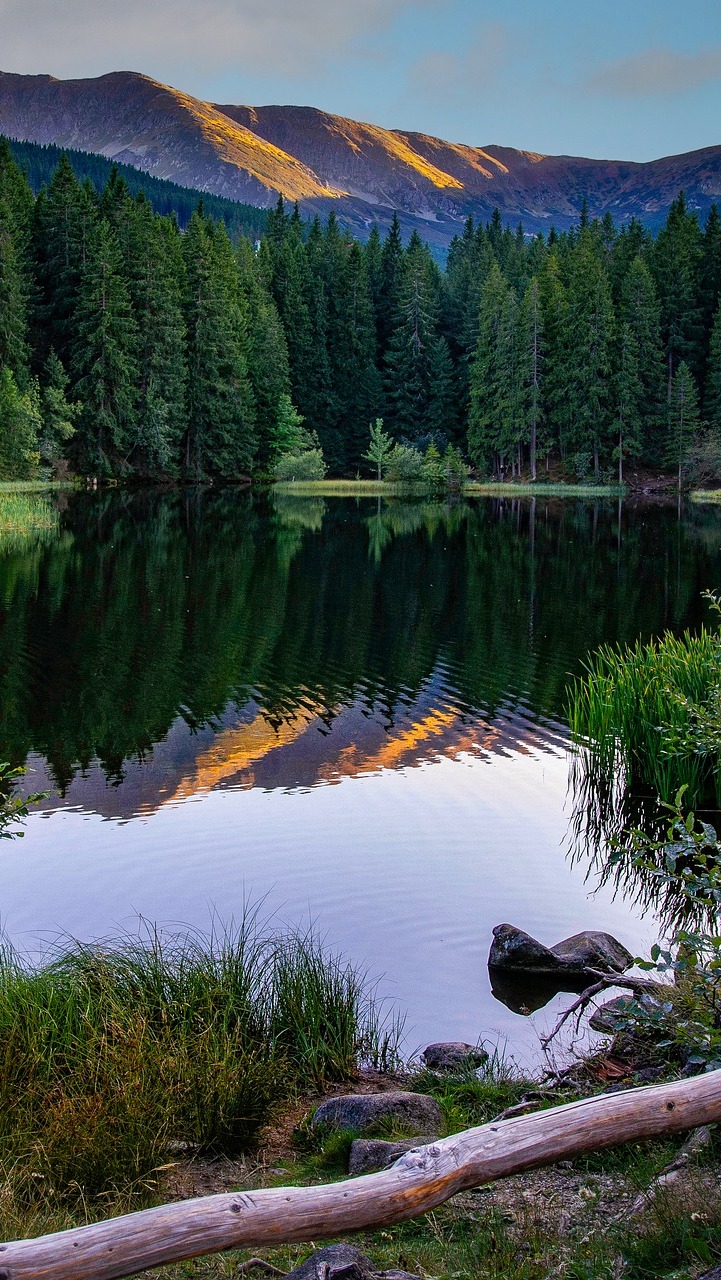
132,349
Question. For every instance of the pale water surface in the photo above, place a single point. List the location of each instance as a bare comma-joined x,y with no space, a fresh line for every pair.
353,712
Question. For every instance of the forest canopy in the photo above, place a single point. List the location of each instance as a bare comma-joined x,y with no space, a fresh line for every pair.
130,348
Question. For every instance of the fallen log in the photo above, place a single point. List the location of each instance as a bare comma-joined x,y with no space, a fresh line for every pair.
419,1181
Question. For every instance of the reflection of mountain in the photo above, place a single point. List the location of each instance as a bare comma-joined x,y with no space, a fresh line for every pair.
308,748
194,640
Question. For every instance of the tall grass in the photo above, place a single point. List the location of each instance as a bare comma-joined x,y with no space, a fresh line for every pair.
649,713
22,514
114,1053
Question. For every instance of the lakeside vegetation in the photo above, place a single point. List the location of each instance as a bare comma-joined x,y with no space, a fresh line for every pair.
134,351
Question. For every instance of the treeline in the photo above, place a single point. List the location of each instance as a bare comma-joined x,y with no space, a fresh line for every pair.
130,349
40,160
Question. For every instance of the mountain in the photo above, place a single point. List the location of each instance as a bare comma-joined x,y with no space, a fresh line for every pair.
324,161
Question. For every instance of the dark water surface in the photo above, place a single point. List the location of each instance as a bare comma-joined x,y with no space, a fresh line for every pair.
352,710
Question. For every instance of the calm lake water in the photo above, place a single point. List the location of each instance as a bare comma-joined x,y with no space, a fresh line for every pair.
350,710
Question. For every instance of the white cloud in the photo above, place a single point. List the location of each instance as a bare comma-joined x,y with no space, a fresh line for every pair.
287,37
446,78
658,71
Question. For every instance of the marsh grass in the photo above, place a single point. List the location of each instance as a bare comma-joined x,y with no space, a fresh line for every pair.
635,711
112,1054
23,514
523,489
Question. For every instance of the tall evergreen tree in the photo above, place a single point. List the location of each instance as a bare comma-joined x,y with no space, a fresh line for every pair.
639,310
104,357
589,337
531,351
683,419
675,261
220,436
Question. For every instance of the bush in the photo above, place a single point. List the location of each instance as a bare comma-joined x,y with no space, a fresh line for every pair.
405,466
703,469
305,464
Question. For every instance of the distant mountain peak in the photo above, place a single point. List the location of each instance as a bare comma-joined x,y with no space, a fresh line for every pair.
324,161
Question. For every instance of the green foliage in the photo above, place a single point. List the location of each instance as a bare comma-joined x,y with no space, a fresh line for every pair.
380,447
288,435
405,465
648,711
683,418
14,807
20,423
303,464
115,1051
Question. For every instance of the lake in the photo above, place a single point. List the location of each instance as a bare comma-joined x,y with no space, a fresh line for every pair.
350,711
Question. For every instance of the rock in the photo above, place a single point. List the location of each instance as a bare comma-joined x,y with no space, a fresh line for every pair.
609,1017
343,1262
453,1055
369,1154
514,950
362,1111
337,1262
593,950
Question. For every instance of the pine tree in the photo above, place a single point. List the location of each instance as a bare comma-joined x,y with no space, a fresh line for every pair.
683,419
417,355
220,437
104,357
391,275
629,400
712,400
589,325
19,425
288,434
531,360
268,364
14,296
675,262
64,223
58,414
155,275
639,309
380,448
489,372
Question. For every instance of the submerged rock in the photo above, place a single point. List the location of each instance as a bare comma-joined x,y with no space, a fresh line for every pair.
453,1055
415,1112
367,1155
515,951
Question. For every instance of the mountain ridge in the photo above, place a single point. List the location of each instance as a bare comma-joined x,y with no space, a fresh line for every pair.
324,161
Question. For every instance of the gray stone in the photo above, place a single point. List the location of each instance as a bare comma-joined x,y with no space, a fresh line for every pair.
370,1154
362,1111
343,1262
593,950
516,951
336,1261
453,1055
513,949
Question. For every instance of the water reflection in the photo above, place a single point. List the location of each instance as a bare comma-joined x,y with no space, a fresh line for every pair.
168,644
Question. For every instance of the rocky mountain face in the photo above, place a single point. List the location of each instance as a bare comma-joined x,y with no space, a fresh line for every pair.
324,161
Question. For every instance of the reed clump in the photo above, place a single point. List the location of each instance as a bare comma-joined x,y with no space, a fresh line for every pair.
23,514
114,1056
651,713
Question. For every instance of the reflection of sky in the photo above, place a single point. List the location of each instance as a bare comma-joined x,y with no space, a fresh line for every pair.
406,871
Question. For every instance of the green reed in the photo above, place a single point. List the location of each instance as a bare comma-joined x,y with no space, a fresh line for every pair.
649,712
23,515
113,1056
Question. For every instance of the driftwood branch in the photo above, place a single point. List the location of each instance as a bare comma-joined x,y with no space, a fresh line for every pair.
419,1181
604,982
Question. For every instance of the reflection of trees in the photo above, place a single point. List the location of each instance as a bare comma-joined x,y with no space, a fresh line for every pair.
153,605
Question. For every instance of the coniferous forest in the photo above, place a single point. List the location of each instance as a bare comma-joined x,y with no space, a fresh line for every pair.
133,350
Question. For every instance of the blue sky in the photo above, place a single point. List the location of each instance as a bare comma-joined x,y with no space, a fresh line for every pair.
626,79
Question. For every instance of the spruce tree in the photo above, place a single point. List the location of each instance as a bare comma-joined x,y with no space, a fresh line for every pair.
589,325
712,399
104,358
19,426
417,356
64,223
58,414
676,262
629,400
530,372
220,436
489,373
639,310
683,419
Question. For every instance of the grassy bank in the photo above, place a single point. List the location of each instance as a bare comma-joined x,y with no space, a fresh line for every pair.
510,489
115,1055
706,495
483,489
24,513
34,486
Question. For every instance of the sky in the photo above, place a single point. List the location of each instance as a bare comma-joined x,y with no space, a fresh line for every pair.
625,79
